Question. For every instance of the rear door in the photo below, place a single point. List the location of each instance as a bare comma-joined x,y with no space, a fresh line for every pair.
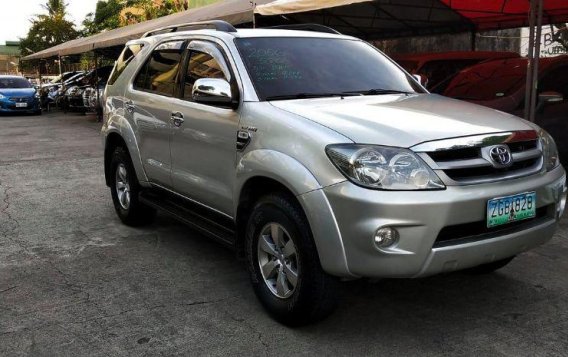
150,102
204,144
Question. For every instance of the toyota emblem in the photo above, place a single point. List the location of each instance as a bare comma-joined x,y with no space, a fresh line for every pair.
501,155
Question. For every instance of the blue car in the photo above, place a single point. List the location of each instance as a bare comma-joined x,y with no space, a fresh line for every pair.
17,95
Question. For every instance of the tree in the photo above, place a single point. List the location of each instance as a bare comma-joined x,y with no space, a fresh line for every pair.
106,17
143,10
49,30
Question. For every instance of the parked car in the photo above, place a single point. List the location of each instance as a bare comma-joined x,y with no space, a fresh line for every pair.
77,95
53,93
436,67
18,95
501,84
317,159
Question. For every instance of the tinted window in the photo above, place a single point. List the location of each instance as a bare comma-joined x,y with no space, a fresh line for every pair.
291,66
159,73
124,60
438,71
555,81
201,65
9,83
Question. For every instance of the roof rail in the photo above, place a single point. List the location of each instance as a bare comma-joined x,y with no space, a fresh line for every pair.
307,27
218,25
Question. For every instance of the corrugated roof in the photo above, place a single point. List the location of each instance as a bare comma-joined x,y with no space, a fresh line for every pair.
10,50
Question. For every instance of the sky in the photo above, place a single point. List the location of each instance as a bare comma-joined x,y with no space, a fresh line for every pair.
15,15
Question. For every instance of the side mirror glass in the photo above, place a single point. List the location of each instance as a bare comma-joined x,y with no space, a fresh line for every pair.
421,79
550,97
212,91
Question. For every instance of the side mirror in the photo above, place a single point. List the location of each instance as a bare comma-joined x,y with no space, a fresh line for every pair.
421,79
212,91
550,97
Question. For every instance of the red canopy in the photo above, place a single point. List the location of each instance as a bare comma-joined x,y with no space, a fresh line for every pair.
496,14
380,19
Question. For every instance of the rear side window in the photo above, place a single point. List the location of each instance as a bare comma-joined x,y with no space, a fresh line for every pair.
124,60
160,72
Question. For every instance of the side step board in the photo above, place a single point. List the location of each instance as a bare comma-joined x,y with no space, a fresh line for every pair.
206,221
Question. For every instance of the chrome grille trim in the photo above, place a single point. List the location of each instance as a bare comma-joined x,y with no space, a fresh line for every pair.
444,157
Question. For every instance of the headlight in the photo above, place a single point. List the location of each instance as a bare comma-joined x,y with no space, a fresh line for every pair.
550,152
384,168
2,96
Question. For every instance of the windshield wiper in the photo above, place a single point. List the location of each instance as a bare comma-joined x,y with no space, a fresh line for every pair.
378,91
310,95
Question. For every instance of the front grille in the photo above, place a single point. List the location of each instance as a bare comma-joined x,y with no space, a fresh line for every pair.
464,161
489,171
476,231
21,99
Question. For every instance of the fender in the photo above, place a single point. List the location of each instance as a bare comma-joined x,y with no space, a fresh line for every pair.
302,183
119,125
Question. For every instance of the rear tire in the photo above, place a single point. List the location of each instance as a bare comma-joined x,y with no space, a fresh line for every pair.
292,285
489,267
125,190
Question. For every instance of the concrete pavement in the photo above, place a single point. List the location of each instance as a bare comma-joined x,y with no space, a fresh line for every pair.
75,281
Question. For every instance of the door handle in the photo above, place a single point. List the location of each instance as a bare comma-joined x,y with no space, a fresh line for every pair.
129,106
177,118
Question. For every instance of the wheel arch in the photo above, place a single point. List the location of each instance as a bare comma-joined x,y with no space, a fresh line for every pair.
265,171
118,131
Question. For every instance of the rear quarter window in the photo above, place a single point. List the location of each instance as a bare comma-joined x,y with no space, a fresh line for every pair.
126,57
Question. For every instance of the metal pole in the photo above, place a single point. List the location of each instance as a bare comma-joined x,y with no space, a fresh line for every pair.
253,4
60,67
534,84
530,54
97,108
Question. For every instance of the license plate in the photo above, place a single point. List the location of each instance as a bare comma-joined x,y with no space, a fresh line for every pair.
509,209
21,105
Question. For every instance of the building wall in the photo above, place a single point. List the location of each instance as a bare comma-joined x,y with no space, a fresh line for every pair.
6,66
502,40
548,48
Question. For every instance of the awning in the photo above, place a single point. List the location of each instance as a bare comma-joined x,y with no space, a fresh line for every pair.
235,12
280,7
381,19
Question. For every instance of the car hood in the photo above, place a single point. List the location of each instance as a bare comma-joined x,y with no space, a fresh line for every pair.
17,92
402,120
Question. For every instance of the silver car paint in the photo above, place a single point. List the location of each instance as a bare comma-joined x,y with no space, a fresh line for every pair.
401,120
288,140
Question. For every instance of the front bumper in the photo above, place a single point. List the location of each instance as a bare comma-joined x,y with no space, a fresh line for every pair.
422,216
8,106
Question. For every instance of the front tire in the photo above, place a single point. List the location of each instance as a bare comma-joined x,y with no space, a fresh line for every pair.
284,265
125,190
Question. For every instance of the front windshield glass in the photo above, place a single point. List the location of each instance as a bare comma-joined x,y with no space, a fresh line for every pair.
288,67
14,83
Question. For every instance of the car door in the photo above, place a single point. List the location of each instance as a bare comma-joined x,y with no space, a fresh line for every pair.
149,106
204,143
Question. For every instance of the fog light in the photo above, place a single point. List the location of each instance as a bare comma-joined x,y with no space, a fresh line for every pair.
385,237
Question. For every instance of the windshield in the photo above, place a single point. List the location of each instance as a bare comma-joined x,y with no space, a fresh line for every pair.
282,67
14,83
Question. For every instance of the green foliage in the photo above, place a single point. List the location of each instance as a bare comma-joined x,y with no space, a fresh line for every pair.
107,15
49,30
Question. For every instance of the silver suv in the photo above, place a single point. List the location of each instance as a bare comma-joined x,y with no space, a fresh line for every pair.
318,159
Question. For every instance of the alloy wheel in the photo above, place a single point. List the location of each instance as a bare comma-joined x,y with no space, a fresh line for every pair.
278,260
